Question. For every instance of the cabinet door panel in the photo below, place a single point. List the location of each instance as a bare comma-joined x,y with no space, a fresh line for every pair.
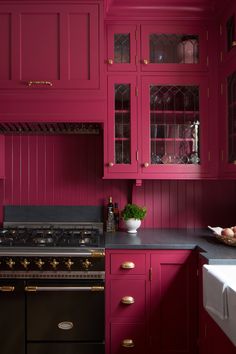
123,288
136,264
39,46
133,332
174,302
5,46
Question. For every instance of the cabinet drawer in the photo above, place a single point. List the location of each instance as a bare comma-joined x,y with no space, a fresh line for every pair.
128,298
127,338
126,263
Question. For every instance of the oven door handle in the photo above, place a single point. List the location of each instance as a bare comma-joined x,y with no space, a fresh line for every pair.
64,288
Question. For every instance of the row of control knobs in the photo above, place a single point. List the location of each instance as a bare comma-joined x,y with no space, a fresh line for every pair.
54,263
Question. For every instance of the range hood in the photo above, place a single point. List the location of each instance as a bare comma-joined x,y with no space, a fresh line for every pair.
50,128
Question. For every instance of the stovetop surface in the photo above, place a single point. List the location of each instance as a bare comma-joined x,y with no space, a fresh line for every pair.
48,238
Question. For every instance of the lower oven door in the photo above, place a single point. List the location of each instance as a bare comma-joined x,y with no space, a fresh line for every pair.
65,311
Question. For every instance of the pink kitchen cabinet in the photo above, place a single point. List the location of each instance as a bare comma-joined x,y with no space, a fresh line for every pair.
151,302
121,144
50,46
173,46
122,47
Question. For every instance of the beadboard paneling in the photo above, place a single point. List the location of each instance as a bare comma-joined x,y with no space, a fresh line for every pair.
187,204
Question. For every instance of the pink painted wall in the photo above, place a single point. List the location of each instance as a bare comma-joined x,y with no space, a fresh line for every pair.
67,170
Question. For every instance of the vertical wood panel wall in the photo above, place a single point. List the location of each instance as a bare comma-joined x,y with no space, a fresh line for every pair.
67,170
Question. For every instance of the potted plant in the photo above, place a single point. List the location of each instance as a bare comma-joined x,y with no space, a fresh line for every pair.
132,215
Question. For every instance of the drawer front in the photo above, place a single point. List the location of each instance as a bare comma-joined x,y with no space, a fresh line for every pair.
126,263
128,298
65,348
128,338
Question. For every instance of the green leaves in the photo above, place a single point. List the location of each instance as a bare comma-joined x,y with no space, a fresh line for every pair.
133,211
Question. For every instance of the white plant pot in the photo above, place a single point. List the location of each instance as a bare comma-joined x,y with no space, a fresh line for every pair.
132,225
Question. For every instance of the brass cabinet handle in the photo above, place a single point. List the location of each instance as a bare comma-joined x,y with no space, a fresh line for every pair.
127,265
146,164
45,83
110,164
7,288
110,61
145,61
127,300
127,343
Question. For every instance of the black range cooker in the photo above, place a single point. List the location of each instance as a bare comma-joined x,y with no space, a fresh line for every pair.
52,286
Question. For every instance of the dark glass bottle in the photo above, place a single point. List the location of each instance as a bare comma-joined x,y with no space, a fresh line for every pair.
110,221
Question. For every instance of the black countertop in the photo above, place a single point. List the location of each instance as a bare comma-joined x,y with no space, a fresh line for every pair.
202,240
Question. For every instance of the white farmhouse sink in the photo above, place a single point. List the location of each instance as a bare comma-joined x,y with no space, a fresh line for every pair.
219,296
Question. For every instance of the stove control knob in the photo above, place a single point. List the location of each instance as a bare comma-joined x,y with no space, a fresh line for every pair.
54,263
25,263
10,263
39,263
69,264
86,264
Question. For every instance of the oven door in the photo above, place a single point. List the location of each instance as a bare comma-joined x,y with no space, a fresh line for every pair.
65,311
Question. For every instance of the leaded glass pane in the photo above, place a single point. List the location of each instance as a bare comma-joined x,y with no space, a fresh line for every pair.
232,118
174,124
174,48
122,48
122,124
230,32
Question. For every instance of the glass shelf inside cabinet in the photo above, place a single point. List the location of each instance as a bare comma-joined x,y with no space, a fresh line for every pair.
122,124
122,48
174,124
174,48
232,118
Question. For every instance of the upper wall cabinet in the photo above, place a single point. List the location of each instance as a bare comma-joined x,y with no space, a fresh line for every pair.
228,34
50,46
122,48
173,47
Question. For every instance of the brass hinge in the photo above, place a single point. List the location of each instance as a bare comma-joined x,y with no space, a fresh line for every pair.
208,92
220,30
137,155
207,35
136,91
221,56
150,274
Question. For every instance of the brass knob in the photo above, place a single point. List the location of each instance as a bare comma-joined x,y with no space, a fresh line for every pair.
111,164
127,343
10,263
69,263
110,61
40,263
127,300
54,263
145,61
146,164
25,263
86,264
127,265
234,44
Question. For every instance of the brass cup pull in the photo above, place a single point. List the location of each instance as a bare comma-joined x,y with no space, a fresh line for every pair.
127,343
110,61
127,300
234,44
146,164
44,83
110,164
145,61
127,265
6,288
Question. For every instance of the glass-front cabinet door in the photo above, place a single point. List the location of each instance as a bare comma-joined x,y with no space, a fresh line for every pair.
122,125
173,48
175,127
122,48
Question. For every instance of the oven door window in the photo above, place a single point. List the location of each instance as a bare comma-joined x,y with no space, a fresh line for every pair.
65,311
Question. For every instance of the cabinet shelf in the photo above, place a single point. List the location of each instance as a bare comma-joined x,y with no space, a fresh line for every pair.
173,139
173,112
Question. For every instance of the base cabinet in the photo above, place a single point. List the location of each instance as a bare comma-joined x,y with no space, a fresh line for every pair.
151,302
